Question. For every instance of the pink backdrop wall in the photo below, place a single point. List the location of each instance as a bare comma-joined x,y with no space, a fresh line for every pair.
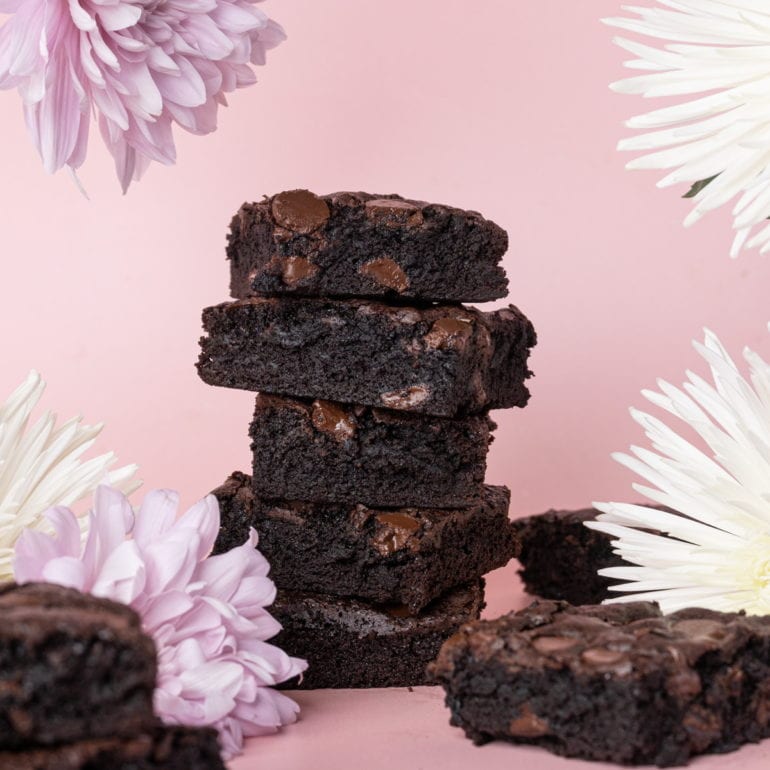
500,106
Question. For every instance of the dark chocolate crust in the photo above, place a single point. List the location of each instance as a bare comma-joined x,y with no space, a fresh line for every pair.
617,683
72,667
406,556
351,644
560,556
164,748
324,452
438,360
362,245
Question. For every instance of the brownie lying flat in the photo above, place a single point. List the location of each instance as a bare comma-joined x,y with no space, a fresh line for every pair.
439,360
164,748
560,556
617,683
325,452
71,667
361,245
351,644
406,556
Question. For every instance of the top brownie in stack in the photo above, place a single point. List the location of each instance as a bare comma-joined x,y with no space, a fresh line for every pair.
361,245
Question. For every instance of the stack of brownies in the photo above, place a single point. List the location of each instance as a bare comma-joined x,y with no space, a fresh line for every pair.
76,688
371,427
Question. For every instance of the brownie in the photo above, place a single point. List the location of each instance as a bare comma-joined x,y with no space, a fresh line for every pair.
320,451
560,556
72,667
618,683
361,245
440,360
406,556
351,644
164,748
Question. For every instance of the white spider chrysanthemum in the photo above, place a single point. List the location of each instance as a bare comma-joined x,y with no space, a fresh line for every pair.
41,466
717,552
717,137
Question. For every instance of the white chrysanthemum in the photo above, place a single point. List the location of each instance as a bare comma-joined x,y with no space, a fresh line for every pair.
41,466
717,137
715,552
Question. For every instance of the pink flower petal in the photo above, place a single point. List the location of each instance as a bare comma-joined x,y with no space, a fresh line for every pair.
203,517
111,520
166,608
65,571
140,67
122,576
155,516
69,536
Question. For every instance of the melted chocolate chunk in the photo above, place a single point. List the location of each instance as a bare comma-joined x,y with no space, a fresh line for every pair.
299,211
333,419
387,273
297,269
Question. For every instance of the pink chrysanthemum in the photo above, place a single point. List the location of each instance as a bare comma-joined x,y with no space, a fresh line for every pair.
207,615
139,65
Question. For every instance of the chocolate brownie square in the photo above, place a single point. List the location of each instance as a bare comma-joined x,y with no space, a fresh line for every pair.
406,556
72,667
613,683
362,245
561,557
440,360
164,748
325,452
351,644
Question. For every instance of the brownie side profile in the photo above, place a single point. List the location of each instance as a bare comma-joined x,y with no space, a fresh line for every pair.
163,748
560,556
325,452
440,360
361,245
72,667
351,644
614,683
406,556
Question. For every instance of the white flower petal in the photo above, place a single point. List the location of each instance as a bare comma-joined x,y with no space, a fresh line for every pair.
717,51
714,549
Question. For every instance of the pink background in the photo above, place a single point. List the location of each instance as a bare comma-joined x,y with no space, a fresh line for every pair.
499,106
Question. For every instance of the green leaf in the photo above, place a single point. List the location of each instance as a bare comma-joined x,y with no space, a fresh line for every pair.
698,186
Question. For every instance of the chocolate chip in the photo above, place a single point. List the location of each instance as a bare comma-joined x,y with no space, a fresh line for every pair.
299,211
528,724
683,685
701,630
406,398
448,332
395,531
398,611
394,212
601,657
333,419
296,269
549,644
386,272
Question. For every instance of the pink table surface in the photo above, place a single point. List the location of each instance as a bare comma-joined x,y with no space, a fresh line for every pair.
398,729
